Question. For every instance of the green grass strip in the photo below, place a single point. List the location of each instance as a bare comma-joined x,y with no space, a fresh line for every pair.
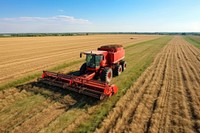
193,41
35,75
144,59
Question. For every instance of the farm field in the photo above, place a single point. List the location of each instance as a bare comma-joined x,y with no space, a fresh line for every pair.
25,55
165,98
49,107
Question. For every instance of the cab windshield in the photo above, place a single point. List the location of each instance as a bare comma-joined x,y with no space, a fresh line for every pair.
93,61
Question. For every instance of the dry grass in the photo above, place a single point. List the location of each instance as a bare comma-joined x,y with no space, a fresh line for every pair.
165,98
42,119
10,96
24,55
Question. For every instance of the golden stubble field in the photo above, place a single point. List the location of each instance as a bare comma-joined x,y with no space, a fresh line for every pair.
24,55
165,98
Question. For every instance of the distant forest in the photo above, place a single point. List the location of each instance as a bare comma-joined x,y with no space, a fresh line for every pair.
92,33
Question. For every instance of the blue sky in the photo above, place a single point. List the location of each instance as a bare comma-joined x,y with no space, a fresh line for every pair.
22,16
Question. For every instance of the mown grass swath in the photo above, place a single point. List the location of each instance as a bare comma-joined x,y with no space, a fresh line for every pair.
195,40
138,58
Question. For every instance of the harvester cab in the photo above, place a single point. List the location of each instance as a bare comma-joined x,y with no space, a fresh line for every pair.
93,59
103,63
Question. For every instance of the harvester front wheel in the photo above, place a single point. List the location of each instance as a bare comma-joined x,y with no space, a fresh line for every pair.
83,69
106,75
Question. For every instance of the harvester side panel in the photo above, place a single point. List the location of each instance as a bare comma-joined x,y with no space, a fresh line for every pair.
115,53
116,56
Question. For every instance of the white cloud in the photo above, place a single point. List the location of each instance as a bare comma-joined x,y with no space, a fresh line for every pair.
61,11
60,18
59,23
71,19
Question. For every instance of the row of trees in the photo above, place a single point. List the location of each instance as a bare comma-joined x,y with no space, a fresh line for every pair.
40,34
92,33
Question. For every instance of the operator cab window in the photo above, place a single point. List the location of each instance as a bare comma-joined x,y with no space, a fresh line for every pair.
93,61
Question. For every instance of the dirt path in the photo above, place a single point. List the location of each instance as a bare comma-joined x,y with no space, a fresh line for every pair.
166,98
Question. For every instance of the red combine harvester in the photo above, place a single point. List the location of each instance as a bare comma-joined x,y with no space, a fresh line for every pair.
104,63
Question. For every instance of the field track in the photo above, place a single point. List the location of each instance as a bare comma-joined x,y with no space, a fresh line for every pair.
24,55
166,98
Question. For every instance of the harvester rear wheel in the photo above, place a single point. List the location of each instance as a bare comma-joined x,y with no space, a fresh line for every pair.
118,70
83,69
123,63
106,75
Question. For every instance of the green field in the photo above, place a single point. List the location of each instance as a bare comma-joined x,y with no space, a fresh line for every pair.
195,40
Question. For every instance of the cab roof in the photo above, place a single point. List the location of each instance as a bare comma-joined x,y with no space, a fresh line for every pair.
95,52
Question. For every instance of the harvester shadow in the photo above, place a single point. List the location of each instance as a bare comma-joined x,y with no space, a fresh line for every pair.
68,99
76,73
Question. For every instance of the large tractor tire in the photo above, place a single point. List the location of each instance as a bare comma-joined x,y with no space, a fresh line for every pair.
83,69
118,70
123,63
106,75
